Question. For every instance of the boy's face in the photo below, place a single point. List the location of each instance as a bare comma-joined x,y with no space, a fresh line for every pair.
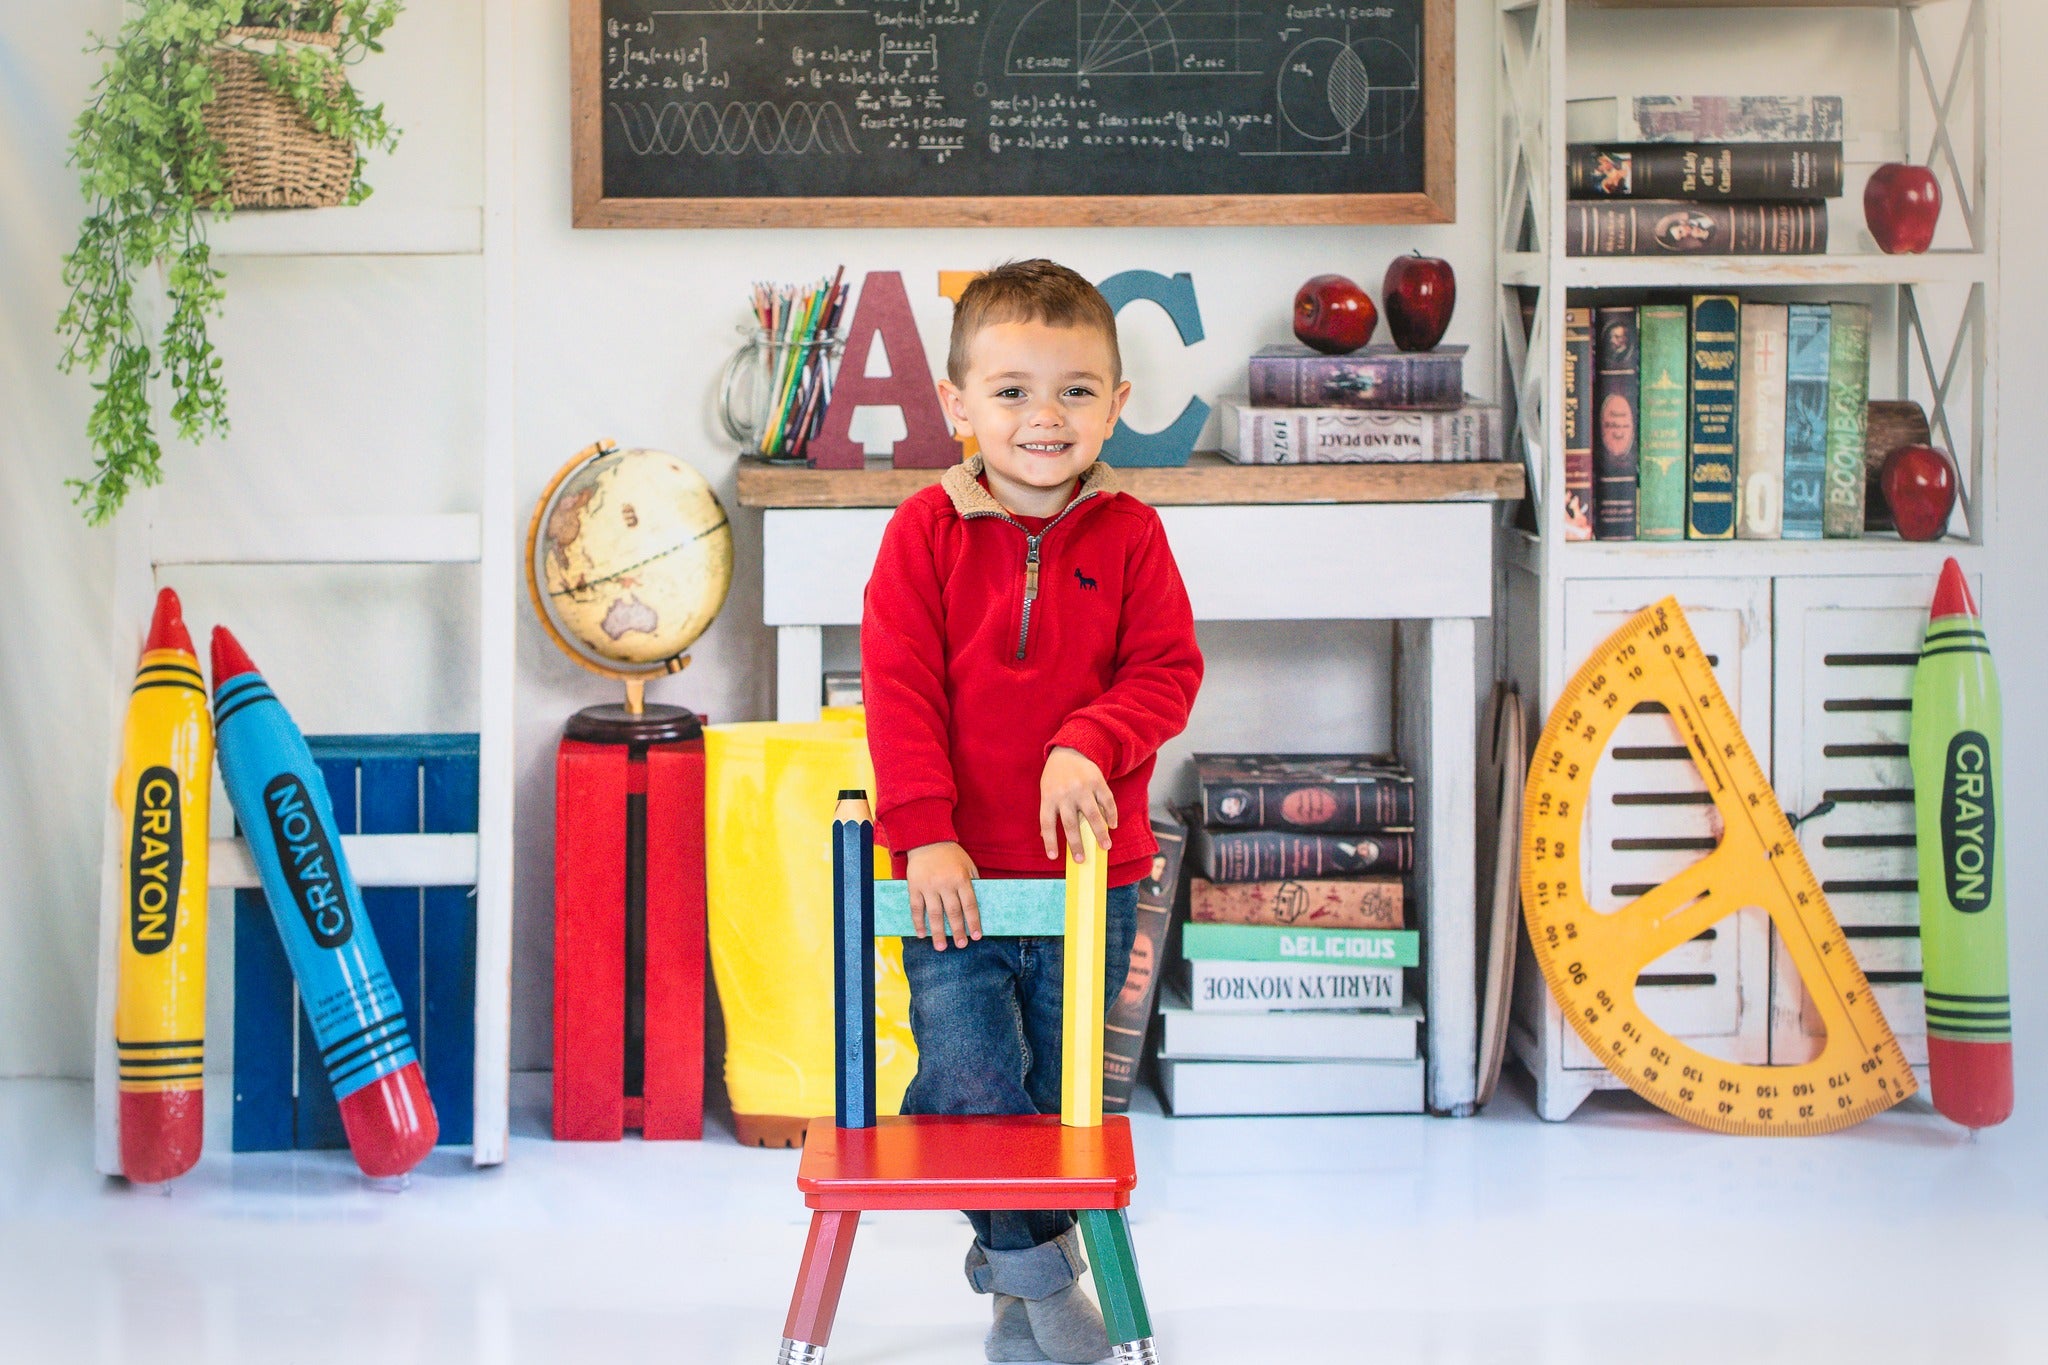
1041,400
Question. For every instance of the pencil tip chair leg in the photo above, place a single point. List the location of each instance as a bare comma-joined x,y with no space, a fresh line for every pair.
1076,1160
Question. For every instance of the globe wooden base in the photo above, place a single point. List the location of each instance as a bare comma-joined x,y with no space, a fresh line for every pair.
615,724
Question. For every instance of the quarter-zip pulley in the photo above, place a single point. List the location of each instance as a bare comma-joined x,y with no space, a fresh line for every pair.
1030,589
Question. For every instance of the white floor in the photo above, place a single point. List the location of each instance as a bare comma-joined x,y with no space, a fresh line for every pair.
1617,1238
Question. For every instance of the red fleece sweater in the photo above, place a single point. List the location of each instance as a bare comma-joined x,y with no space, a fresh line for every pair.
972,673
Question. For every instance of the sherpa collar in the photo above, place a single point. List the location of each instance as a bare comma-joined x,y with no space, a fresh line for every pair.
963,485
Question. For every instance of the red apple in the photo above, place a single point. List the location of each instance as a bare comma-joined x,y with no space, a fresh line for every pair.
1901,203
1919,483
1419,293
1333,315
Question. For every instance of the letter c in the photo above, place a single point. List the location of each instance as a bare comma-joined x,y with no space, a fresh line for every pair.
1170,447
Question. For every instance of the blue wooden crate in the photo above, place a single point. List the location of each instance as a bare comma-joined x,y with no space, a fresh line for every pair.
379,784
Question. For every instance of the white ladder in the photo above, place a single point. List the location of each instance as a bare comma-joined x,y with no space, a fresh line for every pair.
487,538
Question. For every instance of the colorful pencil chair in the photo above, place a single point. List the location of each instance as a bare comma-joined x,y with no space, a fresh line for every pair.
1078,1160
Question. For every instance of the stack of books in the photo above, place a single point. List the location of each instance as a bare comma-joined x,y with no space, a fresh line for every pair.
1710,176
1380,405
1718,417
1290,996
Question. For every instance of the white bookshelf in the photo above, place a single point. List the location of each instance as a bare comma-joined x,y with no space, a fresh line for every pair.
1919,77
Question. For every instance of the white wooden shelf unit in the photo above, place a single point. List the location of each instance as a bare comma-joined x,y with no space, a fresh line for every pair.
1424,566
1813,640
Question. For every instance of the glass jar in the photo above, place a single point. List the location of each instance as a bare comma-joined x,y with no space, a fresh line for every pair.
772,395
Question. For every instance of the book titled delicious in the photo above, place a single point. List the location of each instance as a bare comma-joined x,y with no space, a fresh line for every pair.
1254,986
1258,855
1676,227
1252,435
1305,791
1293,376
1704,171
1262,943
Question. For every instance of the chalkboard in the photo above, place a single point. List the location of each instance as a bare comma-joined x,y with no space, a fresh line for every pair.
794,113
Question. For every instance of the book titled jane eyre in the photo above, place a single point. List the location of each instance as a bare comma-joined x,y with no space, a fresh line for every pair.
1305,791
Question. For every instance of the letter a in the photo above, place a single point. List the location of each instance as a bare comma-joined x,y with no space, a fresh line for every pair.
884,311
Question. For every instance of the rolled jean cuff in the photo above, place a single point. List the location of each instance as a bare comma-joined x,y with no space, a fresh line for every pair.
1033,1273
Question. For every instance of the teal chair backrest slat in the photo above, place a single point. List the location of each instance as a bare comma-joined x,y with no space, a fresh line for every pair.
1009,908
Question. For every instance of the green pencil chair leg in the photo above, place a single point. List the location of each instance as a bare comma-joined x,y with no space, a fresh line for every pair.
1107,1233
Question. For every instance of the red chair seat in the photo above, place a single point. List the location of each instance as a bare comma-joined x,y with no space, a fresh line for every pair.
995,1161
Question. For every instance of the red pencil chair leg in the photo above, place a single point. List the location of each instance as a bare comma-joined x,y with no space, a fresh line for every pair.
808,1328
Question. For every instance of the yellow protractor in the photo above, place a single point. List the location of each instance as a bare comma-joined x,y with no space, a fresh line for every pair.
1591,958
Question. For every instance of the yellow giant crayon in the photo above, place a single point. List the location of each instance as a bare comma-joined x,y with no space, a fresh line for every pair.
160,986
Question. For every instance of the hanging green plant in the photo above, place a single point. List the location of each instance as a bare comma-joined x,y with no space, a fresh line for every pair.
202,105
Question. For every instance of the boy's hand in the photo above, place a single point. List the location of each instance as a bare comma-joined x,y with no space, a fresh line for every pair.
941,878
1070,790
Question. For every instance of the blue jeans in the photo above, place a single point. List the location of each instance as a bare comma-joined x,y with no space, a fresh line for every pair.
987,1021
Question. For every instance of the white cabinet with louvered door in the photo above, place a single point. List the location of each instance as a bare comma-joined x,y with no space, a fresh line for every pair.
1651,818
1846,648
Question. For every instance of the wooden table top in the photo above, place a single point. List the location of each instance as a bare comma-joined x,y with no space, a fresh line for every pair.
1207,479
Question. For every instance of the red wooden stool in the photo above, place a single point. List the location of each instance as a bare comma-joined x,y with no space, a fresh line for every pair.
629,940
1077,1160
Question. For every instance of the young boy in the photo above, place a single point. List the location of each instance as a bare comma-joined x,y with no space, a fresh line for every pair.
1026,647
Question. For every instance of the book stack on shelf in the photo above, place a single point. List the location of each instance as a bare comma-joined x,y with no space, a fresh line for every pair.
1709,176
1379,405
1720,417
1291,994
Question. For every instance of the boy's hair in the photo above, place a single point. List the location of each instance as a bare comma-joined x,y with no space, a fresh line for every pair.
1030,291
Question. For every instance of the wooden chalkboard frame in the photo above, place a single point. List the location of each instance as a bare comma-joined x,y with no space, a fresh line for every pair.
1436,203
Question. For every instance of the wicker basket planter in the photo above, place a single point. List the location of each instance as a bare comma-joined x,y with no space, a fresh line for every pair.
272,157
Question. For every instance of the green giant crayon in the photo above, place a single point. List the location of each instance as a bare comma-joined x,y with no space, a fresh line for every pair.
1957,799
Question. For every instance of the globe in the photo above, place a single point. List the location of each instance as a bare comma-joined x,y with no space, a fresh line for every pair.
631,557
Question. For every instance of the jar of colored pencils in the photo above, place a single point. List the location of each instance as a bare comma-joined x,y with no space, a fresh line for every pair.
773,393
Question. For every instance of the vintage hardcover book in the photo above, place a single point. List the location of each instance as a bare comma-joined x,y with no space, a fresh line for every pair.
1263,855
1664,405
1319,947
1710,453
1305,791
1617,377
1738,118
1326,903
1189,1034
1848,393
1760,438
1294,376
1198,1089
1130,1014
1806,418
1676,227
1251,435
1578,424
1256,986
1888,424
1704,170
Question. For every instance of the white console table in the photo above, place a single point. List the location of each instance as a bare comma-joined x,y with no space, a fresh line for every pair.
1334,542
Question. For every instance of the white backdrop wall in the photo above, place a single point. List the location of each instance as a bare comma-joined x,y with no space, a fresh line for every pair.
357,383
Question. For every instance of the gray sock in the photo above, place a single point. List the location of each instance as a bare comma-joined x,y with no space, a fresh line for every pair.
1010,1338
1067,1326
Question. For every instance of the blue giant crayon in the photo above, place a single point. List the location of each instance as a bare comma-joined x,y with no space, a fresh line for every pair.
350,1001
